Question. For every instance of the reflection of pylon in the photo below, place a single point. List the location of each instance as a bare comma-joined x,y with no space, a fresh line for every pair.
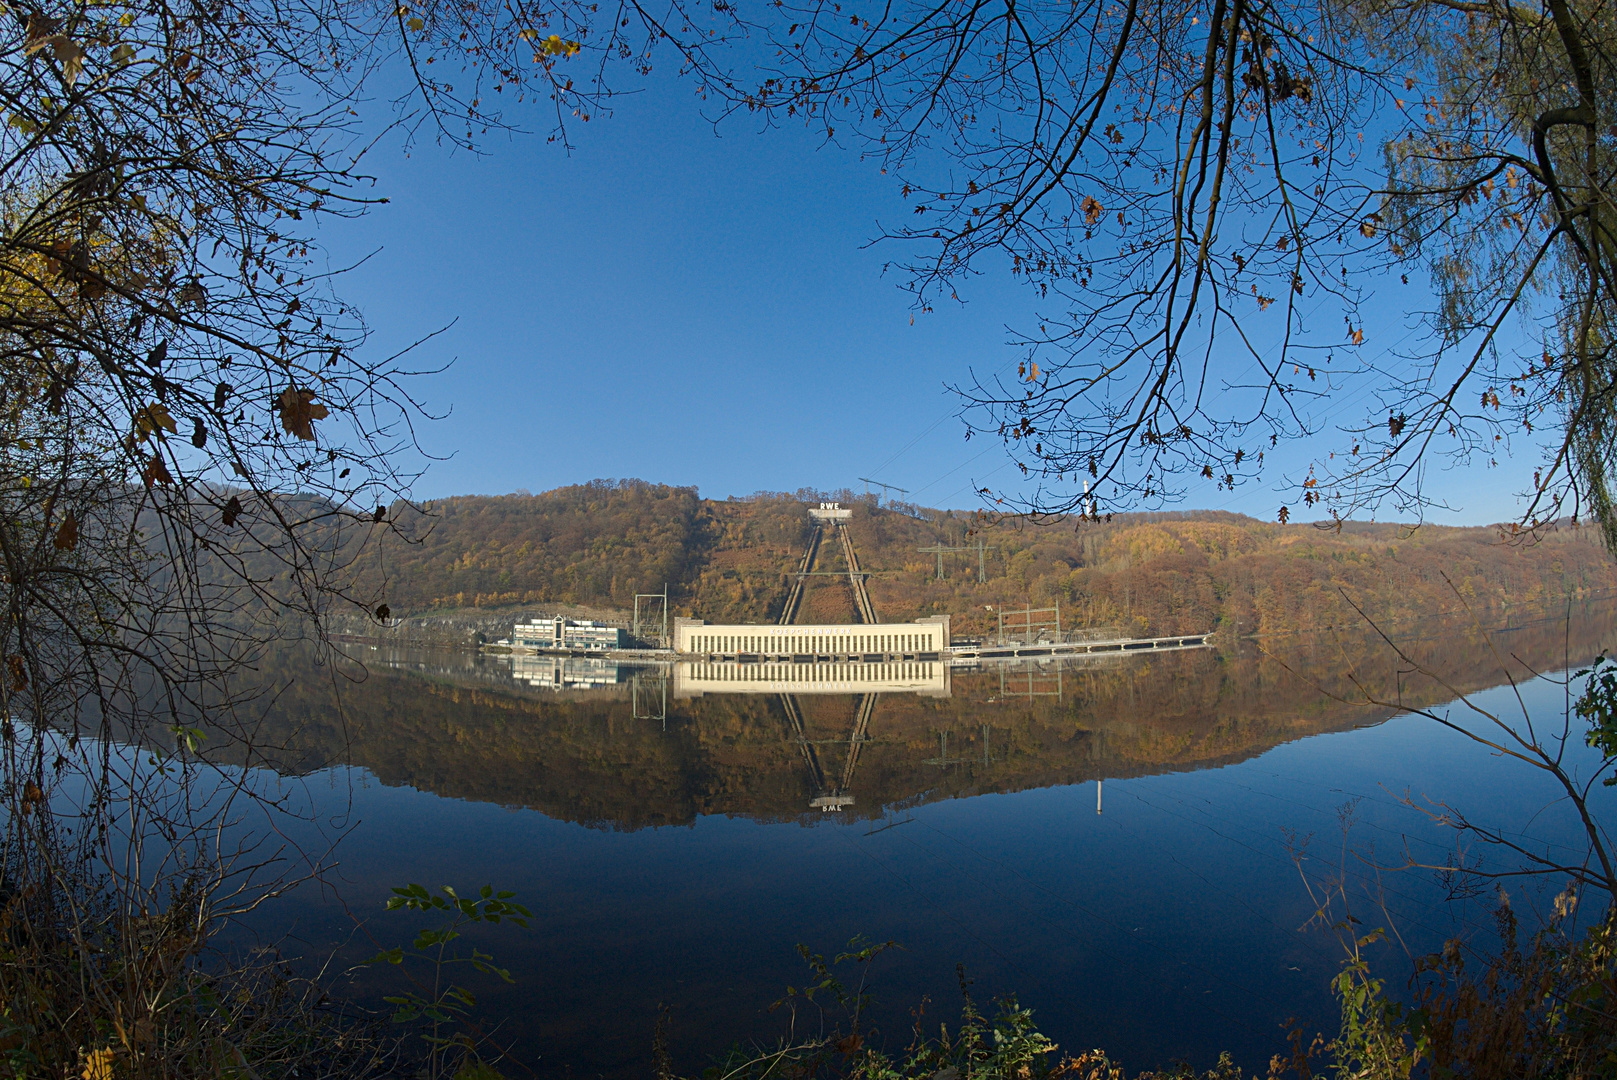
1008,689
656,701
943,760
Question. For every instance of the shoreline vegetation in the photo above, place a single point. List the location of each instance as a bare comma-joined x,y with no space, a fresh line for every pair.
466,567
1536,1005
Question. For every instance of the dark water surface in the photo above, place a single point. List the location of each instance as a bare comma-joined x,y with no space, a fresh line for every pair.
1111,841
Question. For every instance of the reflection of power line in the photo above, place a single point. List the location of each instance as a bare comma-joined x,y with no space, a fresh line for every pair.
905,820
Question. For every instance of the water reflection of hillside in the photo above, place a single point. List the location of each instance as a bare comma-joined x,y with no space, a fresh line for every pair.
617,748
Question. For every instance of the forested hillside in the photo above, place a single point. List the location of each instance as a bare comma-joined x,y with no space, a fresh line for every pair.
600,543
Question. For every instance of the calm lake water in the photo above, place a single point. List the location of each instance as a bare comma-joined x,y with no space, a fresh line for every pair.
1115,842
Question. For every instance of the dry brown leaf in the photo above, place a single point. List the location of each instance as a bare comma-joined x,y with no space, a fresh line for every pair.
40,29
299,410
67,537
156,471
70,54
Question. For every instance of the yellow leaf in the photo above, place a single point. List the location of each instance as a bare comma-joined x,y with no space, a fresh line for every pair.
97,1065
154,417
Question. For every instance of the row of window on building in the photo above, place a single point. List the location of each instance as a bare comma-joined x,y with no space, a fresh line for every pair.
560,633
812,673
810,643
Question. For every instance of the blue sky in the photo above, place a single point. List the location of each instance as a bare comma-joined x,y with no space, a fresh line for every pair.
697,306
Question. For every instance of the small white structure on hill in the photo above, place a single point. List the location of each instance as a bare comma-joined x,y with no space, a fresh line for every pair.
829,511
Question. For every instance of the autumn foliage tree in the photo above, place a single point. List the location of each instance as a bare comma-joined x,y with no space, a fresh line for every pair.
1246,222
196,446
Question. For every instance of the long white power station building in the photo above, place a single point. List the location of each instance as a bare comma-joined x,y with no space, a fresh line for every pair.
922,639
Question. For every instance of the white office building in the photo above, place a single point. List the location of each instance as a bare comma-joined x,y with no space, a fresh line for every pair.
574,635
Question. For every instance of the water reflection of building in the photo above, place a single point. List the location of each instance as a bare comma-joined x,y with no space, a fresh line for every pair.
566,672
928,678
